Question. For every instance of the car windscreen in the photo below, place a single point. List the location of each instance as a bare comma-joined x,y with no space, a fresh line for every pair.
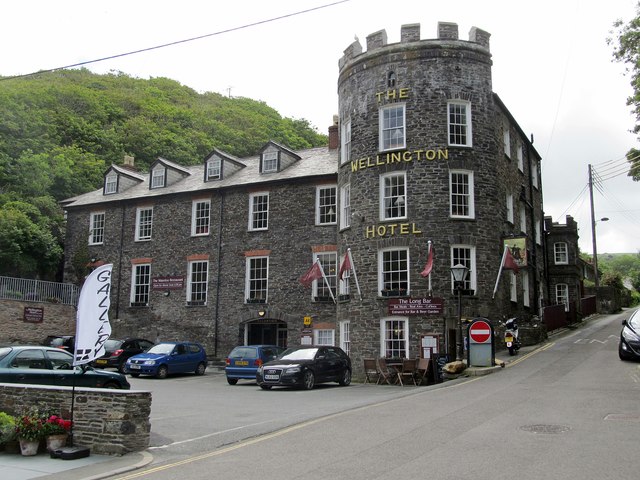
111,345
4,351
244,352
634,321
162,348
299,354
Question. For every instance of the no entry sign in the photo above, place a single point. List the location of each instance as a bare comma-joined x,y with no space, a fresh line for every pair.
480,332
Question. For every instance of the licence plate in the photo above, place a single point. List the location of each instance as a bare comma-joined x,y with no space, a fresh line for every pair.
134,367
272,377
508,339
242,363
101,362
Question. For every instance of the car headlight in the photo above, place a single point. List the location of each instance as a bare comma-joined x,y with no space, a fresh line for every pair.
259,370
630,335
149,362
295,369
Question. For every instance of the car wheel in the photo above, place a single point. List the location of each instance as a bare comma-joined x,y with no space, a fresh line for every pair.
346,378
135,375
232,381
122,368
265,387
111,385
308,380
201,368
162,372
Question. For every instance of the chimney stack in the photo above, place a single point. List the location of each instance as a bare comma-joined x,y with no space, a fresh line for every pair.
334,137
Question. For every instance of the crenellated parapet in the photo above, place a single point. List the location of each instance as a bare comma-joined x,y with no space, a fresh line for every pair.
410,33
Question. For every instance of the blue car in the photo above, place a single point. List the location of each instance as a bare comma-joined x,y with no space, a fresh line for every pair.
243,362
167,358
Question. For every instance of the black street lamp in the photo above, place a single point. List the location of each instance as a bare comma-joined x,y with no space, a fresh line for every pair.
459,273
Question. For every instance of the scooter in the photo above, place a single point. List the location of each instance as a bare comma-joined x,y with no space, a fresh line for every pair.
511,336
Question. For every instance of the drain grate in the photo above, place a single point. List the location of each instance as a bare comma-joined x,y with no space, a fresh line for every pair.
545,429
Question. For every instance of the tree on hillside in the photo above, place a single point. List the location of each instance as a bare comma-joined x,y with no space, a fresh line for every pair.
627,50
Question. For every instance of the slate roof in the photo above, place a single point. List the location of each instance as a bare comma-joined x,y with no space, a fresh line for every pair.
314,162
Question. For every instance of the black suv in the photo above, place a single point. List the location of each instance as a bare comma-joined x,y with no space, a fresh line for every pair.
119,351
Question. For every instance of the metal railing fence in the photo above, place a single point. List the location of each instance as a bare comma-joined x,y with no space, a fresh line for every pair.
28,290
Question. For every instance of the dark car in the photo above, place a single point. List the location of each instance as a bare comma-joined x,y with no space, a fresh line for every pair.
243,362
304,367
65,342
629,346
119,351
168,358
52,366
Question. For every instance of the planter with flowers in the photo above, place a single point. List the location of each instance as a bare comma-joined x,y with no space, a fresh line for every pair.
7,430
30,431
56,431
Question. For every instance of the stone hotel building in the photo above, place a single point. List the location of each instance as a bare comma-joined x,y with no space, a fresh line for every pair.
422,157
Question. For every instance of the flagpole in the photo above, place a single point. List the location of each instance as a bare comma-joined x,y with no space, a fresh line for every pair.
355,275
326,281
428,253
504,254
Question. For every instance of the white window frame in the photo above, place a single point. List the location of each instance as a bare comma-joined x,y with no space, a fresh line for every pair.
534,173
459,123
258,211
509,207
345,336
158,177
324,337
538,225
525,289
96,228
393,195
326,205
111,184
345,142
269,162
144,224
214,168
506,140
140,285
197,296
345,283
200,218
562,295
465,255
560,253
394,278
392,126
520,157
392,344
523,219
513,290
465,199
257,287
345,206
329,263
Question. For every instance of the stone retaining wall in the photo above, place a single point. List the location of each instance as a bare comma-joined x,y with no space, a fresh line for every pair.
109,422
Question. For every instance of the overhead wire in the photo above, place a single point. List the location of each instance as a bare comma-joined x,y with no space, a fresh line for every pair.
177,42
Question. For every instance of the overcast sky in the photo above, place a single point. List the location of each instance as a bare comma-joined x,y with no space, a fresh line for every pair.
551,67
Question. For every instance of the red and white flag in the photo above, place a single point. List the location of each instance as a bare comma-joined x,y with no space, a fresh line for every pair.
314,273
429,265
346,265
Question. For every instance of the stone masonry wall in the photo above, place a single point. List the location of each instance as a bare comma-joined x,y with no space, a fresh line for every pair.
57,320
109,422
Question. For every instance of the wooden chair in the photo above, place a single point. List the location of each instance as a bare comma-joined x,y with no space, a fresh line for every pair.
370,370
385,374
408,371
422,370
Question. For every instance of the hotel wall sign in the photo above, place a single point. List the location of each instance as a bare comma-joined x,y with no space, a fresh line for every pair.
33,314
167,283
416,306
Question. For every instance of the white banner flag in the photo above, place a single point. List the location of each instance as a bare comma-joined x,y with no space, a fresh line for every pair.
92,320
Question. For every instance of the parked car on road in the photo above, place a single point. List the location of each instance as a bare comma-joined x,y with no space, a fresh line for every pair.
52,366
167,358
305,367
243,362
629,346
65,342
119,351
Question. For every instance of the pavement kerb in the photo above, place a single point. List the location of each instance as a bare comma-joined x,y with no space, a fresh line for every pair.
108,468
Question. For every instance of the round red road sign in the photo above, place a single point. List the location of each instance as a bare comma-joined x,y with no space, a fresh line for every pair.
480,331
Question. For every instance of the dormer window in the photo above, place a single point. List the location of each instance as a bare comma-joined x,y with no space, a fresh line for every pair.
214,169
111,184
269,162
158,176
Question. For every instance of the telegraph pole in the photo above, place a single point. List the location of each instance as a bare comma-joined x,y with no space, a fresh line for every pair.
593,232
